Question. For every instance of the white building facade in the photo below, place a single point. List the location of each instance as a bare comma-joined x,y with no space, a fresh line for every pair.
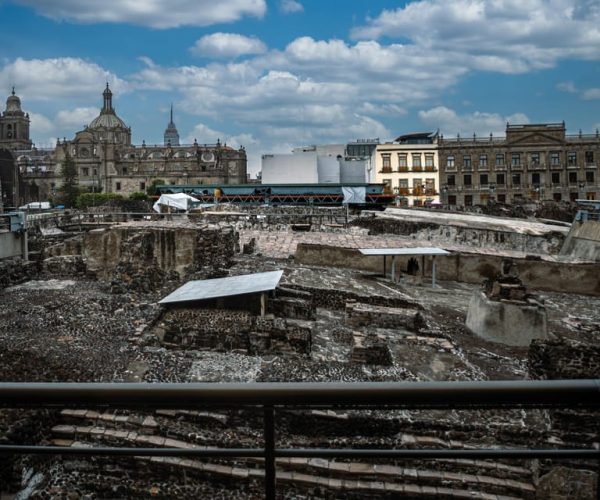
409,168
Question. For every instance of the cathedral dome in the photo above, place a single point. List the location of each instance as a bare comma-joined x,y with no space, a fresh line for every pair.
107,118
13,103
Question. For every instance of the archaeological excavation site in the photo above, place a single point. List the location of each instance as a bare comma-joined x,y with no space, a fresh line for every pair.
299,353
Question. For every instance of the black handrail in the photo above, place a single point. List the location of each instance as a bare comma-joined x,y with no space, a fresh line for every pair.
270,396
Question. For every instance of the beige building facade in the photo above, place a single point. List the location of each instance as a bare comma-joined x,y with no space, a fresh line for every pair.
409,168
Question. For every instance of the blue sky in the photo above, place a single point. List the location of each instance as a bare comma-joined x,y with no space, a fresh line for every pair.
272,75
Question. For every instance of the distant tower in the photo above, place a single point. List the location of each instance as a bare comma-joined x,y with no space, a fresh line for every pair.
14,125
171,134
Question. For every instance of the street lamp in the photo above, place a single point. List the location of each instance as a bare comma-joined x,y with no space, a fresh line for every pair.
445,194
582,189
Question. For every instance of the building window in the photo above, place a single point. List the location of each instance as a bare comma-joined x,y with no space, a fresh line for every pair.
418,187
572,177
535,158
500,179
502,198
589,157
416,161
535,178
555,177
142,186
572,158
516,159
387,164
429,161
589,177
557,197
403,186
516,179
85,172
467,161
451,180
94,172
555,158
451,199
483,160
387,186
450,162
118,186
499,160
468,200
402,162
467,179
124,170
483,179
430,187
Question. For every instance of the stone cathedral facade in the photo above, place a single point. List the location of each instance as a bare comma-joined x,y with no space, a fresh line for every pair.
107,161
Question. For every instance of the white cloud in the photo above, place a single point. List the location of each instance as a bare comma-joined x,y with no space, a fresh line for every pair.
65,77
568,87
451,123
590,94
290,6
203,134
76,118
40,125
509,36
152,13
228,45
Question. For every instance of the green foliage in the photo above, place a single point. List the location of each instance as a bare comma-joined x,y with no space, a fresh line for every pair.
69,191
87,200
138,196
151,189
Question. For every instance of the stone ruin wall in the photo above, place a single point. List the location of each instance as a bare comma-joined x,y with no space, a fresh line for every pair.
228,330
167,247
455,235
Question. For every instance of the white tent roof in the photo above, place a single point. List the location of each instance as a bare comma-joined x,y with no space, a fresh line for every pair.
180,201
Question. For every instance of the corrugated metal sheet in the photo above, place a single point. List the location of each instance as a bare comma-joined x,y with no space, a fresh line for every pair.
404,251
224,287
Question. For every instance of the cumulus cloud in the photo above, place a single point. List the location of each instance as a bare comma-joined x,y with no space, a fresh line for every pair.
568,87
65,77
40,125
152,13
449,122
509,36
229,45
290,6
590,94
77,117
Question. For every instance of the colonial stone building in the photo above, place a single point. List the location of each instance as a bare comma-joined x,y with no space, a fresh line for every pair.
531,162
106,160
409,167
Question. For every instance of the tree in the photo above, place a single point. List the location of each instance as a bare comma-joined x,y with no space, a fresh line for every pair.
69,191
151,189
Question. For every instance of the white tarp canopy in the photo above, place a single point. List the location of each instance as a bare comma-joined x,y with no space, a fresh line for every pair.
178,201
354,194
36,205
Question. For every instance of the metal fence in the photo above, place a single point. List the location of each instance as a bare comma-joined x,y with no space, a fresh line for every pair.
270,397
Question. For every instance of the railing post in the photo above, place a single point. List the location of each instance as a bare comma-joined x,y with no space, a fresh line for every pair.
269,424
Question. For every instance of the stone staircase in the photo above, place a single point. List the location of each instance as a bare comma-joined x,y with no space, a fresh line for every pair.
378,478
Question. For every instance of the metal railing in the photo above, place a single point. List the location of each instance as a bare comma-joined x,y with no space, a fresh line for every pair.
273,396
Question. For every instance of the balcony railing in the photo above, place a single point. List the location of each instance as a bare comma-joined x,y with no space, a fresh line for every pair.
272,397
